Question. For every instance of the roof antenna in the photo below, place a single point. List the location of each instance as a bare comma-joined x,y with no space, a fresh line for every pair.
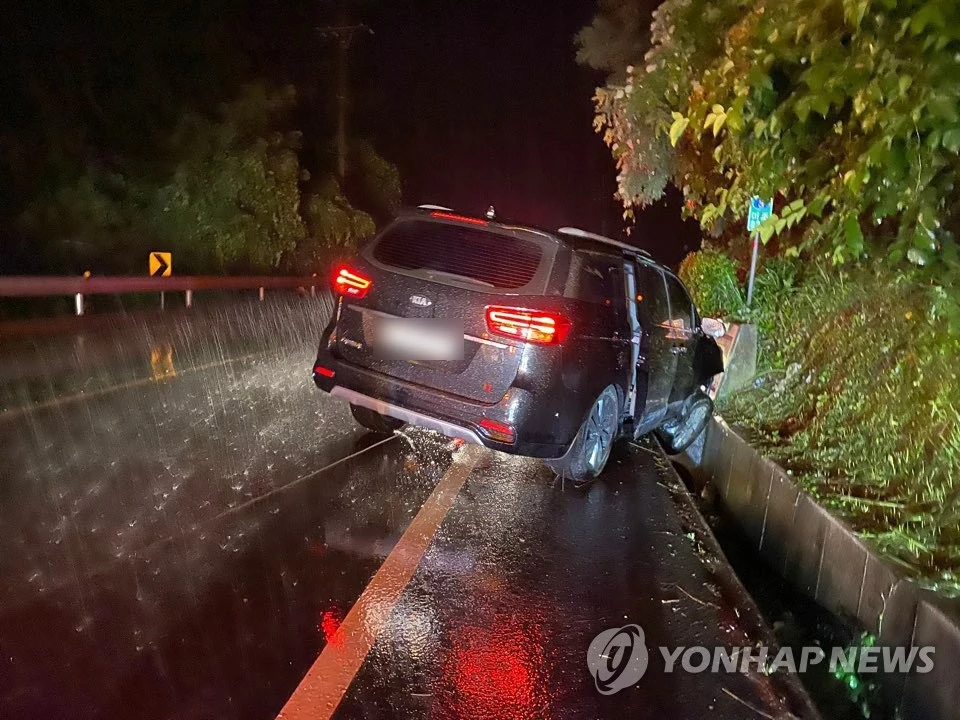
491,213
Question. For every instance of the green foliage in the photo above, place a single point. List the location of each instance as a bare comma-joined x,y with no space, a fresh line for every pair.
859,399
846,111
862,691
711,278
637,114
229,197
615,38
379,179
232,202
773,288
718,290
333,221
83,215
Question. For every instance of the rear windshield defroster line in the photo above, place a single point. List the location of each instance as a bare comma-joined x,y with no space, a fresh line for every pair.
486,257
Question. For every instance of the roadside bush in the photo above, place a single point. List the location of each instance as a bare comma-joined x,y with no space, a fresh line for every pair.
711,277
773,288
858,397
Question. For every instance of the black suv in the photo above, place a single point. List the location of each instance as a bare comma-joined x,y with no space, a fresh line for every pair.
538,343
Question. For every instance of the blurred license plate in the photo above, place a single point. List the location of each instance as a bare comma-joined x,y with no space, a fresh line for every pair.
419,338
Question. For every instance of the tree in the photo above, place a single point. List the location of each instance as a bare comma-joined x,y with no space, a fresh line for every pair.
374,180
848,111
232,203
616,38
151,127
230,196
226,199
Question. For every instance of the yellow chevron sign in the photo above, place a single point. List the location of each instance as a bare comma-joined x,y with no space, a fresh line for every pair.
161,264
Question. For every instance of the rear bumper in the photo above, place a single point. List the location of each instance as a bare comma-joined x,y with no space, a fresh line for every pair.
408,416
436,410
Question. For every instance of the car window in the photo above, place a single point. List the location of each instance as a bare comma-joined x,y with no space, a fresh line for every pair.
681,310
652,306
441,250
597,278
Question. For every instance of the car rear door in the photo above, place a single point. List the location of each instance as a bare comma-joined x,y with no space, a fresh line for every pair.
657,363
452,270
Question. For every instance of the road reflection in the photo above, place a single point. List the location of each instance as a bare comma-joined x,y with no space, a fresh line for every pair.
497,671
161,362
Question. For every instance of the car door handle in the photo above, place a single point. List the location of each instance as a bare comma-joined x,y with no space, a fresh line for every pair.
622,340
679,349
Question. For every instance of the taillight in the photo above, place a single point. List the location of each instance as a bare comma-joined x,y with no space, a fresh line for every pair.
323,371
497,431
459,218
350,282
535,326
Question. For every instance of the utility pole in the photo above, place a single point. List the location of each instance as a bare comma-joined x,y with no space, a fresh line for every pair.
342,34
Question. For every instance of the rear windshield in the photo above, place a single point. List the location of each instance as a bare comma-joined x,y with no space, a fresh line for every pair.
481,256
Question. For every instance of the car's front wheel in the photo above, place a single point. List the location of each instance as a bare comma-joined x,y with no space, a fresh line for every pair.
678,434
590,450
374,421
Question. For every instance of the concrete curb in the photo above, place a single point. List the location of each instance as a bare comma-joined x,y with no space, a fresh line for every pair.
795,696
825,559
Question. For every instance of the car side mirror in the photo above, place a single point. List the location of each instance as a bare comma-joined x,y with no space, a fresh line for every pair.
713,327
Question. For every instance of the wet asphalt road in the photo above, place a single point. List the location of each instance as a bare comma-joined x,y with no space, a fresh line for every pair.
186,523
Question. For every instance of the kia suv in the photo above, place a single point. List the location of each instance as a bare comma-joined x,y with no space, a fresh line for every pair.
550,344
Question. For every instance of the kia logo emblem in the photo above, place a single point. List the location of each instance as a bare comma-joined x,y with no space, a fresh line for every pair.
420,300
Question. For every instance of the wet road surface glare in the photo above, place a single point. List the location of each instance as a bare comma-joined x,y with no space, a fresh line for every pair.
188,529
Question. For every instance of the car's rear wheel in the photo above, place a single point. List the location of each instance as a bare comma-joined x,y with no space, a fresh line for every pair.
374,421
678,434
590,450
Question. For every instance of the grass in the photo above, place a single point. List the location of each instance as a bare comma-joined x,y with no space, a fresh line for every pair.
858,398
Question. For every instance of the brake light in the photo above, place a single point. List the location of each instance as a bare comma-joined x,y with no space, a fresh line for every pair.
535,326
497,431
323,371
461,218
350,282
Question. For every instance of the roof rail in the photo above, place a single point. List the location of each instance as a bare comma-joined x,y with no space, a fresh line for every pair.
577,232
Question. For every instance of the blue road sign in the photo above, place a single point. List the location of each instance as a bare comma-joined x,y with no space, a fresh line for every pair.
759,211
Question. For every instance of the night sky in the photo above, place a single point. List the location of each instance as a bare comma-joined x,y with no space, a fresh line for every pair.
482,103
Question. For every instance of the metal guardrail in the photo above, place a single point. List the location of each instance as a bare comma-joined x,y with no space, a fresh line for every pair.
53,285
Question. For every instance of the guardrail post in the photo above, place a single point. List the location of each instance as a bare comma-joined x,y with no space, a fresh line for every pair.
189,300
261,294
163,301
78,298
313,287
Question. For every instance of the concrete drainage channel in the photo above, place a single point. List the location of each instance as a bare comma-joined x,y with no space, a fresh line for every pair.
797,622
824,559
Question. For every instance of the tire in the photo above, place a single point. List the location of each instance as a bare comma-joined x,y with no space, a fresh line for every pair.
678,434
588,453
374,421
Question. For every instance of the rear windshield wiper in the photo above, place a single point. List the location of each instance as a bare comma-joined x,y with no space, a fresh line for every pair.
455,276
